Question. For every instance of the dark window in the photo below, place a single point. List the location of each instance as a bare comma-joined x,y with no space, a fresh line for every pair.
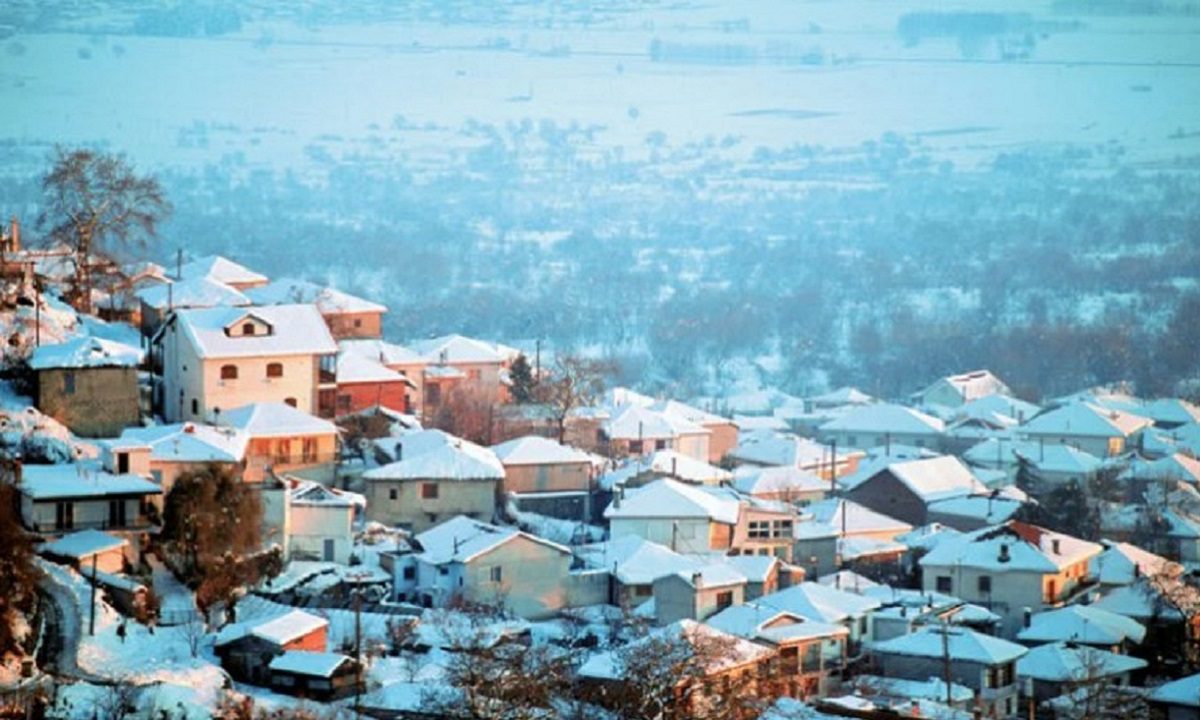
248,328
69,383
393,493
344,403
274,370
497,574
195,406
635,446
410,573
357,322
443,570
985,583
290,401
229,372
122,463
724,600
944,585
429,491
660,444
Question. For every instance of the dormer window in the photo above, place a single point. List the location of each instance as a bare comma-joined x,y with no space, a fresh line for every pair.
248,328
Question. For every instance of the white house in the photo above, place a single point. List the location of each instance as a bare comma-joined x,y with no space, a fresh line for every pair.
320,522
956,390
883,424
219,358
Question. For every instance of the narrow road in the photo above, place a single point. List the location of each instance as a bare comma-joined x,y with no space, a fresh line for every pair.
62,631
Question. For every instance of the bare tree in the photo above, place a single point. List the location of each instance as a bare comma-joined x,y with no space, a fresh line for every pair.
118,701
95,202
574,382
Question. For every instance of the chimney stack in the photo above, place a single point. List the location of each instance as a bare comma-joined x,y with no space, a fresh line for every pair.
697,580
14,234
1027,617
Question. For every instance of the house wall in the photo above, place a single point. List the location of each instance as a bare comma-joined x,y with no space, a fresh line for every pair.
88,513
943,393
722,439
1101,447
555,477
676,599
997,702
354,325
1011,592
885,494
694,446
687,535
109,561
354,397
277,515
287,454
532,578
311,525
822,549
104,401
253,386
474,498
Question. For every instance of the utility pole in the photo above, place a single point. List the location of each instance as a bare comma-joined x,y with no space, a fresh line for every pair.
946,662
92,625
358,671
537,360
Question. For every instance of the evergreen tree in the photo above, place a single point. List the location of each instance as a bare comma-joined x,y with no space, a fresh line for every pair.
523,381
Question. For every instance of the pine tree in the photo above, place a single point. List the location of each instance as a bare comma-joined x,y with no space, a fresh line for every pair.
523,381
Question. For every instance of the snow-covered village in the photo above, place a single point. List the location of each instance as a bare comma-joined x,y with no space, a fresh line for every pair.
550,361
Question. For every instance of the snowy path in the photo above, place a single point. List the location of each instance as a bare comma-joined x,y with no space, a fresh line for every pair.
63,631
178,603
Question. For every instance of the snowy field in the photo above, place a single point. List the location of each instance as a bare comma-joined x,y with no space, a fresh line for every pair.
758,74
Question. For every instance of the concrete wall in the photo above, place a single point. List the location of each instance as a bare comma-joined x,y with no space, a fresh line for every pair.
885,494
723,438
555,477
688,535
677,599
355,325
475,498
104,401
533,578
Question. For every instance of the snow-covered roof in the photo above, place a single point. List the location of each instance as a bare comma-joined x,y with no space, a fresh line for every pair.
847,580
1060,662
199,292
933,689
1057,458
712,575
221,269
1143,600
754,424
1123,563
637,423
784,449
456,460
842,396
46,482
936,478
186,442
755,568
288,627
1014,546
819,602
381,351
757,621
971,385
1172,411
990,510
84,544
928,536
990,406
85,352
608,664
456,349
667,462
961,644
1083,624
1175,466
666,498
778,480
328,300
537,450
617,397
461,539
317,495
857,518
275,419
633,560
1085,420
313,664
886,418
689,413
295,330
355,368
1184,691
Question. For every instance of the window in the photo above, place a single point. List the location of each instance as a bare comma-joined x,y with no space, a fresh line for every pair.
635,446
69,383
122,463
290,401
344,403
497,574
660,444
724,600
229,372
985,584
393,493
429,491
195,406
443,570
760,529
1051,591
357,322
473,374
410,573
248,328
781,529
274,370
944,585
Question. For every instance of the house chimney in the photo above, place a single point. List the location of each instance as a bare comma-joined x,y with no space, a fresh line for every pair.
674,466
1056,546
697,580
399,451
1004,556
14,234
1137,571
189,428
1026,617
916,708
